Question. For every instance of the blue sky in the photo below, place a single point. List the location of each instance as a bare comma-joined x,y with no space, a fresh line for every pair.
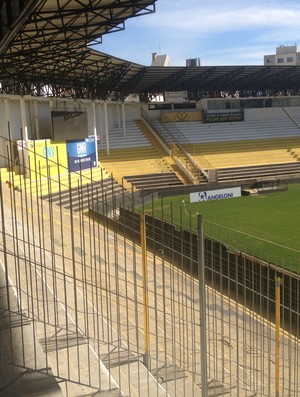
219,32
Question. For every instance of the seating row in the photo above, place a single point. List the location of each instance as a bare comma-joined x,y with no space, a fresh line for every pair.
267,124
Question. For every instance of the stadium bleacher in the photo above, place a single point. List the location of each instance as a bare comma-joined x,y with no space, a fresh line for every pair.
258,124
133,137
136,163
265,145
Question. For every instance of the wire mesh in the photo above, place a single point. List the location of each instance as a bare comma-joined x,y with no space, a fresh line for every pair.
73,295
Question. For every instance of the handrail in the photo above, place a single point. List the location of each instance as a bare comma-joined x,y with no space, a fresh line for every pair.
290,117
173,142
165,135
183,140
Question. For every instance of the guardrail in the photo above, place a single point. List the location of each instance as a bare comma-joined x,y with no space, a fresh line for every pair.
189,147
177,144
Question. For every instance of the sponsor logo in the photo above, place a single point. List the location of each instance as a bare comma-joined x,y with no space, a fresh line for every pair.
202,196
49,152
81,149
219,196
211,195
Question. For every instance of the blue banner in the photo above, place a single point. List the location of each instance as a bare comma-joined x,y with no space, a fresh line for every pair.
81,154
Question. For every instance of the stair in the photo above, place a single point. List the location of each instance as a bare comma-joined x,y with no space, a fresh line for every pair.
154,181
155,143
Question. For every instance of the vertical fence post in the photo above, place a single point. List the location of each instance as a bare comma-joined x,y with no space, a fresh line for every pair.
202,300
277,370
145,289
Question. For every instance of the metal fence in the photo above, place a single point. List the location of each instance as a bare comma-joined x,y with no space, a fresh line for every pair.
96,301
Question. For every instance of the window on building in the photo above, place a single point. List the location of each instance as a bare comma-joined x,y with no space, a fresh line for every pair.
280,60
290,59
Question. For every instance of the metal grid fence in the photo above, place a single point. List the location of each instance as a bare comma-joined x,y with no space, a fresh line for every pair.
122,303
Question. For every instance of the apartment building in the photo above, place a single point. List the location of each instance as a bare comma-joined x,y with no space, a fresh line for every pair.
285,55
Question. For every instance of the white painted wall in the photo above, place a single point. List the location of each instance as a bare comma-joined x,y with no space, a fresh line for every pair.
132,111
10,124
42,111
15,119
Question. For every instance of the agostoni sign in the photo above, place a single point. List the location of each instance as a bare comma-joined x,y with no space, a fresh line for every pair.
220,194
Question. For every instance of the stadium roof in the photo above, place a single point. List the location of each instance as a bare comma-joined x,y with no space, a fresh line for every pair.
45,45
46,49
207,80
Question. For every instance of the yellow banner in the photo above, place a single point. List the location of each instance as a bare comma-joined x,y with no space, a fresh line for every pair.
47,158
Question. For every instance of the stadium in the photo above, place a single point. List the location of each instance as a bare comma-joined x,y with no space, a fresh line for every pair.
148,247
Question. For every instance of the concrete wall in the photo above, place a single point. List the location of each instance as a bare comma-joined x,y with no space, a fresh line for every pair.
38,118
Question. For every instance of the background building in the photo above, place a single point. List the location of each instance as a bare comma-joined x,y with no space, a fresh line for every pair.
160,60
193,62
285,55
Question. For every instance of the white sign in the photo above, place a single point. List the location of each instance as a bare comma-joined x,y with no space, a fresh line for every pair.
220,194
176,96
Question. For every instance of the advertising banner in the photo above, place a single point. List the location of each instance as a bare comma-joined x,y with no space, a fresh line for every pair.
47,158
82,154
223,117
176,96
220,194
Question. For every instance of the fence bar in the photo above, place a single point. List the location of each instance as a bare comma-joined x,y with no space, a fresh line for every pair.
145,290
277,375
202,300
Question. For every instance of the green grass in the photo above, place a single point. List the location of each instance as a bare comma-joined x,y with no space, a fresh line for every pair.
267,225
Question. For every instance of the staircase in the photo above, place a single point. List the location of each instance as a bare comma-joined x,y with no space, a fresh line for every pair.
166,155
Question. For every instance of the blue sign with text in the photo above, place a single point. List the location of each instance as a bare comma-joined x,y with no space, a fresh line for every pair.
81,154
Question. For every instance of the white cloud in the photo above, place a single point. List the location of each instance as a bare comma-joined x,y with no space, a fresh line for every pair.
240,55
192,17
219,32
